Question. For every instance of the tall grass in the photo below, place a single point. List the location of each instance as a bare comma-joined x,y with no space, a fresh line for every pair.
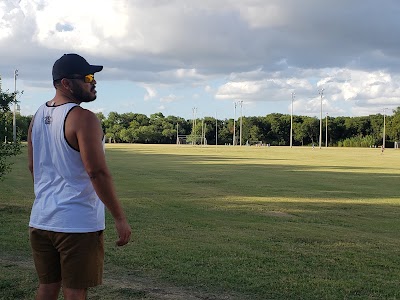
239,223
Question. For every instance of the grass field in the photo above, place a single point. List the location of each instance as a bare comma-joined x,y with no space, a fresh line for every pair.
234,223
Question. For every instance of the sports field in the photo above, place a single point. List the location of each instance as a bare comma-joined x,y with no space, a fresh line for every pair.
234,223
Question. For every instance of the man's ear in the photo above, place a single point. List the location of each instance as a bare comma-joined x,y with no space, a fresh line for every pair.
66,83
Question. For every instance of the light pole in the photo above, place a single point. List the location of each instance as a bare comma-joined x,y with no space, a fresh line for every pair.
321,93
326,131
291,122
384,128
15,104
234,125
202,142
194,110
177,133
241,120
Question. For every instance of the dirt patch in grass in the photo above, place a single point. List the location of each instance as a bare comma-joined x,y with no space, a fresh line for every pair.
119,285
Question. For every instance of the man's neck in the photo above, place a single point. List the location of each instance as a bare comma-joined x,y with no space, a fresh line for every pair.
63,97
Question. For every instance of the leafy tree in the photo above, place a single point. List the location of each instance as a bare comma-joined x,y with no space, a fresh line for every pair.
377,128
113,133
394,126
23,126
224,132
311,128
148,135
272,129
142,119
102,119
7,149
337,129
279,129
299,131
128,135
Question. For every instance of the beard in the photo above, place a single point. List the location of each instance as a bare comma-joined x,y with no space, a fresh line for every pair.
83,95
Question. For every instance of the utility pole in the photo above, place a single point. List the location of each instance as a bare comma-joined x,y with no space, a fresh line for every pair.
234,125
241,120
321,93
177,133
194,110
291,122
202,132
15,105
384,129
326,131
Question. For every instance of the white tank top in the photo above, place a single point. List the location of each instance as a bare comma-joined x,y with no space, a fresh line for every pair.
65,198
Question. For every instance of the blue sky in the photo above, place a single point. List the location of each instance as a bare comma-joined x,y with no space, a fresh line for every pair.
174,56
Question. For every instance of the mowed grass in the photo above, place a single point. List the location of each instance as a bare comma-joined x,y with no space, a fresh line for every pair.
235,223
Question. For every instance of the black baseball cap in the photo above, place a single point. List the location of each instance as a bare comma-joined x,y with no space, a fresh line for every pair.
71,64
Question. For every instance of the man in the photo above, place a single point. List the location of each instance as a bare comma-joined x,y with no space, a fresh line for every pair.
72,185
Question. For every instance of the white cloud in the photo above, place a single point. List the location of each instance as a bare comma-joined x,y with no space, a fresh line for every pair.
150,93
208,89
359,88
168,99
257,51
87,34
264,14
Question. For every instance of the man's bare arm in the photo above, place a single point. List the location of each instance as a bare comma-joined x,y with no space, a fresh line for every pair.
89,136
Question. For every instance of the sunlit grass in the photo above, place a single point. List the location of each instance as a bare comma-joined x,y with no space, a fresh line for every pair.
249,222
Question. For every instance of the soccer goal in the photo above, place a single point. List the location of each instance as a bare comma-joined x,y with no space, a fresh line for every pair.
182,140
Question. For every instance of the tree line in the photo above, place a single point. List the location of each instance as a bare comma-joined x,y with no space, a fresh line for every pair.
272,129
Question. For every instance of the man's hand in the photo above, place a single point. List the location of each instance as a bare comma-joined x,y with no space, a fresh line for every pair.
124,232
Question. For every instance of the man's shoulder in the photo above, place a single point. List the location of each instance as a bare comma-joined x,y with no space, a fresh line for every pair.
81,112
79,115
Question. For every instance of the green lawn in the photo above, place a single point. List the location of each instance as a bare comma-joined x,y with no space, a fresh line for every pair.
234,223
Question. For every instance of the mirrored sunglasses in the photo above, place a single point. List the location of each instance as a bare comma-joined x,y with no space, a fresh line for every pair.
87,79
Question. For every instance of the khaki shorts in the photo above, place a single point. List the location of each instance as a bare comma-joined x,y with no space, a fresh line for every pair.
76,259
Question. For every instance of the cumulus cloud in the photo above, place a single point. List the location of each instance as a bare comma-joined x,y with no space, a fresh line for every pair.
168,99
257,51
150,93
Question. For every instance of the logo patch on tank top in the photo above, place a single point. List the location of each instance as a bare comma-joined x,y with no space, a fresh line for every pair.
47,120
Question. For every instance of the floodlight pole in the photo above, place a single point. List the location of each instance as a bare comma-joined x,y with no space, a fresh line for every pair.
291,122
384,128
234,125
15,104
177,133
195,119
202,132
321,93
326,131
241,120
194,110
